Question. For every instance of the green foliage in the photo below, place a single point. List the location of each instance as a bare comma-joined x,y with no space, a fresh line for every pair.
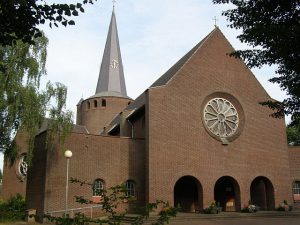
20,19
111,199
284,206
214,208
79,219
13,209
293,131
273,28
23,104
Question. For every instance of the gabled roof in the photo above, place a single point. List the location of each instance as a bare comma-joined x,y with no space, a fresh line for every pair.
164,79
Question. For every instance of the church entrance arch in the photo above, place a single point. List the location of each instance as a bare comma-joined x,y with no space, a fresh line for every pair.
262,193
227,194
188,194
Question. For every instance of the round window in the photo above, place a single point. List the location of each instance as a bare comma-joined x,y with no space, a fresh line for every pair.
23,166
221,117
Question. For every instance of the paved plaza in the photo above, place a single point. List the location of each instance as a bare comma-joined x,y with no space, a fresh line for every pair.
241,221
227,221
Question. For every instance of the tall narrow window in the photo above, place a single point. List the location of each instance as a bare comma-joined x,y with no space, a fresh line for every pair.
103,103
95,103
130,188
88,105
296,191
98,187
296,188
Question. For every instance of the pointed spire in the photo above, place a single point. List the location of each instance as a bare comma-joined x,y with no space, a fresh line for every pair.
111,78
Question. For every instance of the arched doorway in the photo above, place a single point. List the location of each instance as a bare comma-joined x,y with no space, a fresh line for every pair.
227,194
188,194
262,193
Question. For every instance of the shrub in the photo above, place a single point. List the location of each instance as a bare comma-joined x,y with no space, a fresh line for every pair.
250,209
213,208
284,206
13,209
111,199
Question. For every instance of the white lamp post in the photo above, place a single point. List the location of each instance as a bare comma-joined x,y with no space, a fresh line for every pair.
68,154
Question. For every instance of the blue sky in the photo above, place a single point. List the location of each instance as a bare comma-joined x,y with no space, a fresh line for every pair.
154,34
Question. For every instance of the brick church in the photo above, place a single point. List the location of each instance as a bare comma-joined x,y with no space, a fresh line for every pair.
197,135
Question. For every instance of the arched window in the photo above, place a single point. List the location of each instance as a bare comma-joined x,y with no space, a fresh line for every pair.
95,103
98,187
296,191
130,188
22,166
103,103
296,187
88,105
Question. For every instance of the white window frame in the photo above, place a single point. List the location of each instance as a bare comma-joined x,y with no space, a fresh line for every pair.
98,186
130,188
296,188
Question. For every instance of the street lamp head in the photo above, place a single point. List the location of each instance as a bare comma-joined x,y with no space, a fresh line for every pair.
68,154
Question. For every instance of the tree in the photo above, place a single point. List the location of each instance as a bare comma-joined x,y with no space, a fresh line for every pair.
20,18
23,104
112,200
273,28
293,131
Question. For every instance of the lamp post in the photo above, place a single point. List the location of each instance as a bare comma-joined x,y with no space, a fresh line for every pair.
68,154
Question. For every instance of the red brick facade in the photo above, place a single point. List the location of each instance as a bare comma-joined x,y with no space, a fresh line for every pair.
13,182
162,143
114,160
294,156
95,113
179,145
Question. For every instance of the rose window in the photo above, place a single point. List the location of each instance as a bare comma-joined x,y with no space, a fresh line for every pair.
221,117
23,166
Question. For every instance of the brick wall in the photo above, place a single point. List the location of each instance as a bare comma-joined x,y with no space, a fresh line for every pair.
178,143
13,183
112,159
294,156
95,118
36,178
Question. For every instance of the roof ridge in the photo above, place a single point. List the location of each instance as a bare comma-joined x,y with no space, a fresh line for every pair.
167,76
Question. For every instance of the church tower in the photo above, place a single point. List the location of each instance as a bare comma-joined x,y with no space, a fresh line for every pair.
110,97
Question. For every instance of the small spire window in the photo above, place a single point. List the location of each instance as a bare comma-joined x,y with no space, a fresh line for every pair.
88,105
103,103
95,104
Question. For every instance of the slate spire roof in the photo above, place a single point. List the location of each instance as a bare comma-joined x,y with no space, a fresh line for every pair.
111,80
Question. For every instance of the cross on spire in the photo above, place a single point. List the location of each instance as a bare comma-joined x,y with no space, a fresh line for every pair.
215,19
113,1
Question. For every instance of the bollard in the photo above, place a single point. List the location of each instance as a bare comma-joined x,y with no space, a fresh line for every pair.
30,215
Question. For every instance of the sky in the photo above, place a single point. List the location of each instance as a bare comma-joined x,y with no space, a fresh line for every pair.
153,34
